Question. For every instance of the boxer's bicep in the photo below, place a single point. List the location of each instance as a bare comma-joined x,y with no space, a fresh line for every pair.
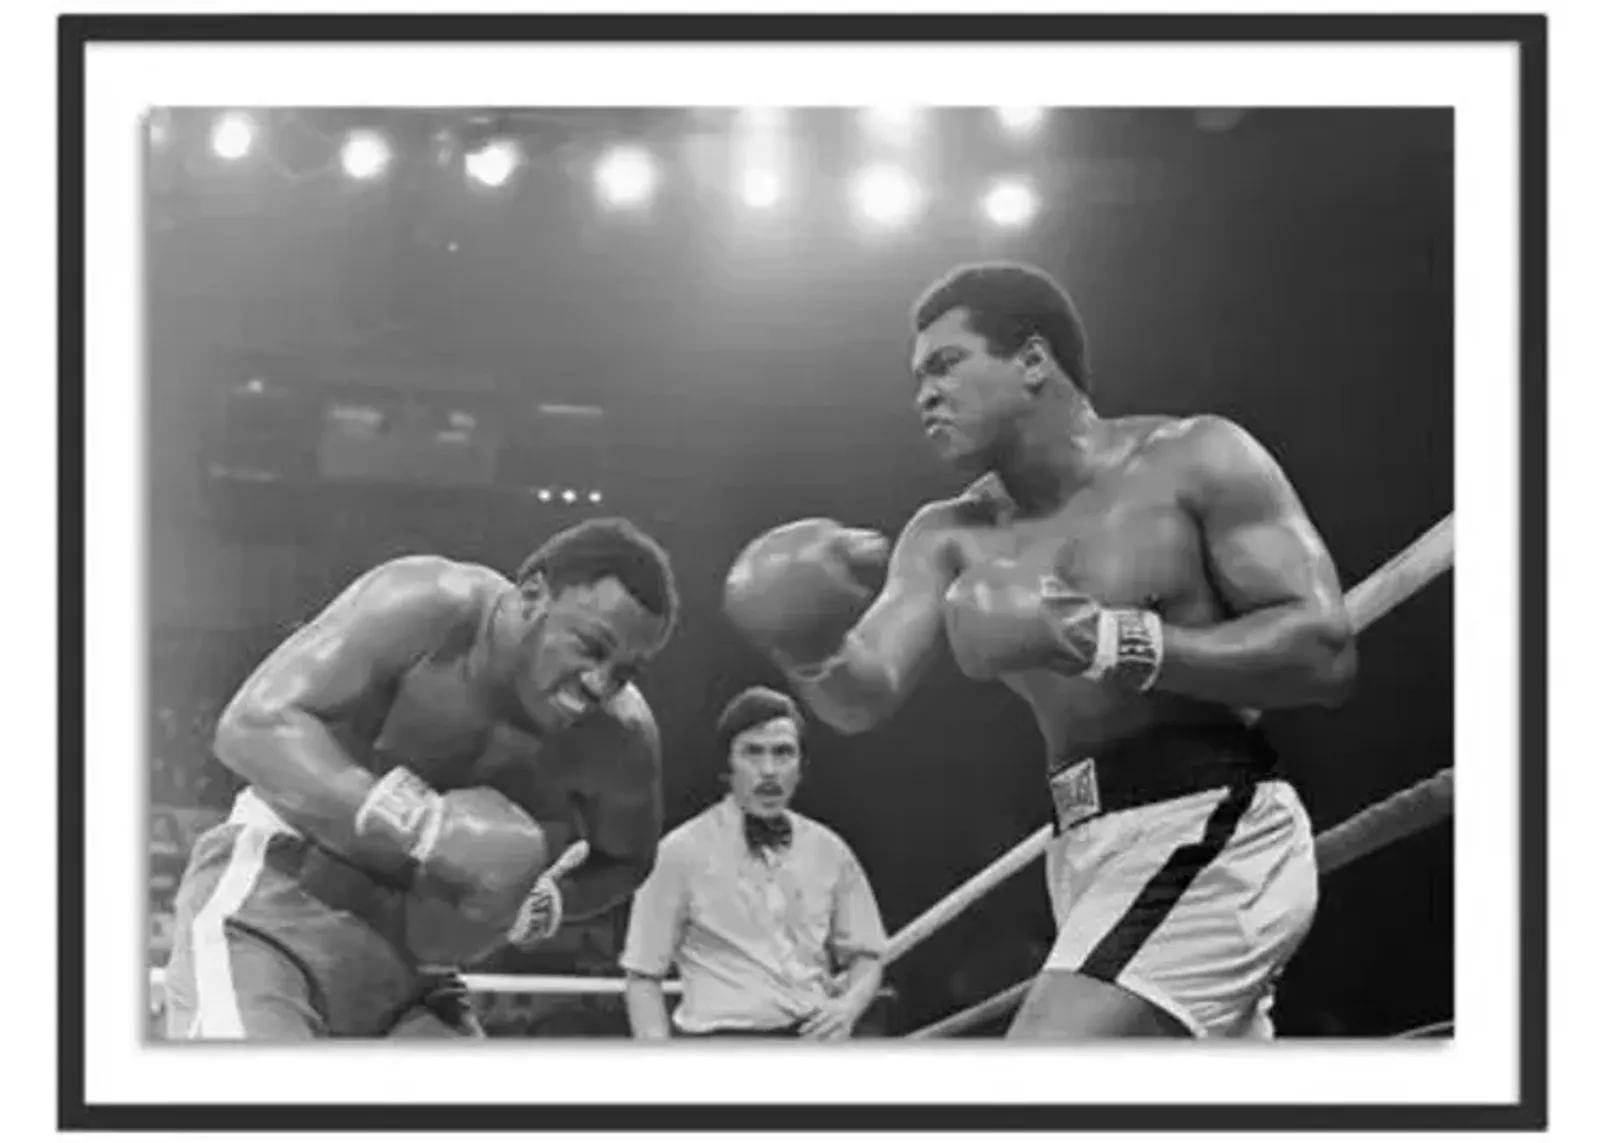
624,816
900,631
275,732
378,627
621,811
1262,549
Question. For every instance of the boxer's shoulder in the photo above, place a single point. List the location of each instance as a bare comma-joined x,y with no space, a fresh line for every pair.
442,593
973,506
434,579
1184,442
1211,458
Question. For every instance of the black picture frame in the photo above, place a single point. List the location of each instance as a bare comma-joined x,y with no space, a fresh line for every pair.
1528,32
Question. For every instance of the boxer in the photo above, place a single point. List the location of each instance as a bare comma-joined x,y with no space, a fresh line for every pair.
415,755
1139,582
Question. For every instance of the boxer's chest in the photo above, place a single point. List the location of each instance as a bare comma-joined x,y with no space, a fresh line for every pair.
441,729
1124,542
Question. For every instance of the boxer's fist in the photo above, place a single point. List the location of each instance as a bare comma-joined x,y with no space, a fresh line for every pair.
797,590
487,854
465,898
999,618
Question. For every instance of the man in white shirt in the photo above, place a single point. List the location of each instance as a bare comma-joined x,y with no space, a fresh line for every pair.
766,913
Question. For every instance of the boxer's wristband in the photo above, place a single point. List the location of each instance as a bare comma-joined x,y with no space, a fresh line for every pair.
530,926
404,809
1128,647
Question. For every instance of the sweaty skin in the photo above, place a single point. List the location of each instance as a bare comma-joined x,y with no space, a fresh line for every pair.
1190,518
397,671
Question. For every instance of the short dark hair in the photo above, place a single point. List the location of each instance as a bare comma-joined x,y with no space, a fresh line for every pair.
591,551
1007,303
753,706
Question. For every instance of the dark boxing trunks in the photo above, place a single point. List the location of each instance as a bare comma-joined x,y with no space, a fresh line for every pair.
276,938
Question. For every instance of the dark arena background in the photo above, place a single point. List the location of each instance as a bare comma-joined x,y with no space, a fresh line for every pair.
379,332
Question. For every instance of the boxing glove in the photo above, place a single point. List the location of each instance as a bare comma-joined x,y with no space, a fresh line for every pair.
796,591
476,846
1001,619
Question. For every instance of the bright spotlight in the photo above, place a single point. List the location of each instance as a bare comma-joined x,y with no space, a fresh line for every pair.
625,177
760,188
1010,204
545,495
595,498
570,496
892,124
1020,120
365,154
233,135
159,125
887,195
762,118
493,163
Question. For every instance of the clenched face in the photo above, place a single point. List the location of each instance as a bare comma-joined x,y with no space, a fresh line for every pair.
578,647
969,400
764,767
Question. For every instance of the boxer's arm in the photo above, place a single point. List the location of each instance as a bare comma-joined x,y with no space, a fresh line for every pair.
894,641
1292,643
621,811
274,733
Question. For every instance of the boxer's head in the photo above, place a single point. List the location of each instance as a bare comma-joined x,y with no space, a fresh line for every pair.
593,605
990,339
759,736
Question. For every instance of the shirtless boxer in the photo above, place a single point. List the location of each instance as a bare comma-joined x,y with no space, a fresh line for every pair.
416,755
1139,582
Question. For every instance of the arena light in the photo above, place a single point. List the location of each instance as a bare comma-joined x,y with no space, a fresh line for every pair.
159,126
887,195
760,188
545,496
595,498
762,119
895,125
365,154
760,151
625,176
233,135
1010,203
570,496
494,163
1020,120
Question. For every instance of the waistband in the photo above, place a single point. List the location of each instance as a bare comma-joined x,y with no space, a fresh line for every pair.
249,809
786,1032
1158,765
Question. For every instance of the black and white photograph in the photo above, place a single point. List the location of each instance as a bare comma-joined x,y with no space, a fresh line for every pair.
930,559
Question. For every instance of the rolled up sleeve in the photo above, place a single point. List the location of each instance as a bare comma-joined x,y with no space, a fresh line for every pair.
656,920
857,925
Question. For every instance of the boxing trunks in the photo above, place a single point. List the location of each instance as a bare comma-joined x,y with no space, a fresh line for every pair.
1183,871
278,939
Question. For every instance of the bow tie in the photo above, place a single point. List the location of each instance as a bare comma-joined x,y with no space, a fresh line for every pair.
767,833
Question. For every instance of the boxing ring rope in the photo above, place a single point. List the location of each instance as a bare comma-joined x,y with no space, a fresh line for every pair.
1404,813
1412,809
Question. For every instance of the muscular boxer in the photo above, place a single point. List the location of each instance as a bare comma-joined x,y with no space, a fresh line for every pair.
1139,582
416,755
